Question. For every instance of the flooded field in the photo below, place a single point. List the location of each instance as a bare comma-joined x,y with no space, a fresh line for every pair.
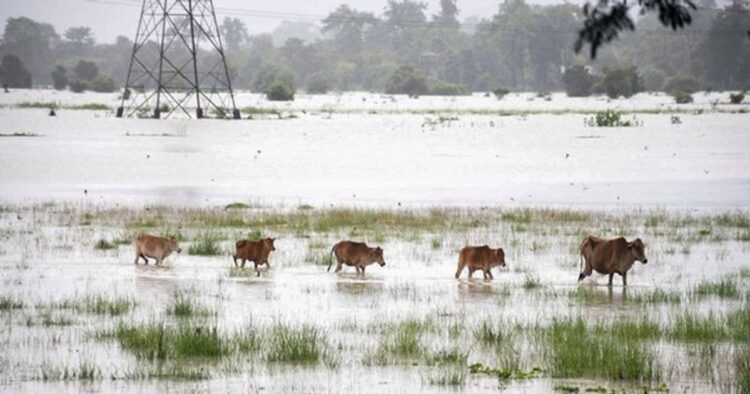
78,315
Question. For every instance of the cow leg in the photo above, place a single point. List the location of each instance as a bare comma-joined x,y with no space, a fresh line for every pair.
459,270
234,257
610,279
268,264
338,267
471,272
144,258
487,274
242,265
363,270
137,256
625,279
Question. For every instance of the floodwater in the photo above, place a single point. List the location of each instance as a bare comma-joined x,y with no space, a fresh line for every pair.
361,158
83,160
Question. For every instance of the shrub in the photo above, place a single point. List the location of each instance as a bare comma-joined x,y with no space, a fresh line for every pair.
736,98
406,80
447,89
578,81
14,73
280,91
621,81
319,83
103,84
59,78
86,70
682,84
270,74
78,86
609,118
653,78
681,97
500,92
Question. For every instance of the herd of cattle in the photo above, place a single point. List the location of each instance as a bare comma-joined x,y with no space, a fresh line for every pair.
605,256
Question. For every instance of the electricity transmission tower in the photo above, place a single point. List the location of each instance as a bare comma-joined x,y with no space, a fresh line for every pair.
178,63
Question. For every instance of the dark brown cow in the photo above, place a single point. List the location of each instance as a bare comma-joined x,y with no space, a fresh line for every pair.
356,254
255,251
480,258
158,248
610,256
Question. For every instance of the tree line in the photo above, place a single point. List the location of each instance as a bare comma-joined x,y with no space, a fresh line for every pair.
405,50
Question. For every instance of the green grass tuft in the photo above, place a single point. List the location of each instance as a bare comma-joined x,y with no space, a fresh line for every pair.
305,344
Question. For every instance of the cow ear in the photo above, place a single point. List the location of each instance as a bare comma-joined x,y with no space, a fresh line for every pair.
630,245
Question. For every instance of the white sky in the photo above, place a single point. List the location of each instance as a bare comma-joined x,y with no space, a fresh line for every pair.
111,20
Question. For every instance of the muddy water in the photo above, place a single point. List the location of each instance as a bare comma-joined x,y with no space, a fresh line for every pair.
86,158
43,263
385,159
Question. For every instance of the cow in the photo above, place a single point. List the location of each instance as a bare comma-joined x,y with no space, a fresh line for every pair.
255,251
147,245
356,254
610,256
480,258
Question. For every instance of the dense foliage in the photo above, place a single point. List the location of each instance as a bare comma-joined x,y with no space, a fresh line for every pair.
404,49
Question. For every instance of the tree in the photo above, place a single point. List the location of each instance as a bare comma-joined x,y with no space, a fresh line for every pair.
60,77
348,27
620,81
32,43
79,39
234,33
448,15
86,70
407,80
727,56
103,84
604,21
578,81
270,74
319,82
13,73
403,20
512,36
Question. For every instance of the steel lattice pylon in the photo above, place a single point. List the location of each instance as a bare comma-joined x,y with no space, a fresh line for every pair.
169,69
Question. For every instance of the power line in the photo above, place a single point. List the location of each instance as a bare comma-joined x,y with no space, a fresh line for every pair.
488,25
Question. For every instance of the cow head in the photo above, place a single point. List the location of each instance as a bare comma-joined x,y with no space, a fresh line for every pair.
268,243
173,246
377,256
500,261
637,249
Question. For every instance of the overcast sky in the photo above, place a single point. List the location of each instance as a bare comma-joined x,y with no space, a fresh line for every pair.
110,18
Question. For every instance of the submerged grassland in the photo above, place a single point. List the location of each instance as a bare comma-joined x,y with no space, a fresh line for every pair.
76,308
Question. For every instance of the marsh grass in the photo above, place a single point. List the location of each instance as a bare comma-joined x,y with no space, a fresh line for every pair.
183,306
453,375
490,333
50,319
580,350
236,272
742,368
206,244
171,371
725,288
7,303
158,341
402,339
304,344
103,244
85,371
531,282
657,296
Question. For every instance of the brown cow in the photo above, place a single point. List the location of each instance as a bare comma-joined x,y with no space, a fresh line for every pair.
480,258
356,254
610,256
255,251
158,248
